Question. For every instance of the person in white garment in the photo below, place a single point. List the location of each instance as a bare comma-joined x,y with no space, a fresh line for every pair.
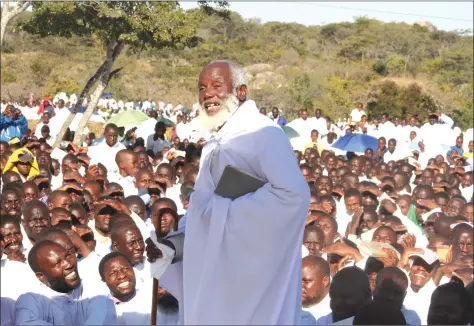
184,128
357,113
105,151
319,123
316,280
63,298
269,221
127,163
421,286
45,118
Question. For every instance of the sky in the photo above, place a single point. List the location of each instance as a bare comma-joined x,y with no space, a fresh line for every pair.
460,14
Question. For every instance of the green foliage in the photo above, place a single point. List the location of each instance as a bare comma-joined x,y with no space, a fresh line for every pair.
398,101
301,92
61,84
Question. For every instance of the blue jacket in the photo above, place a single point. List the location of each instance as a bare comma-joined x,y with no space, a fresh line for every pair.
10,128
281,120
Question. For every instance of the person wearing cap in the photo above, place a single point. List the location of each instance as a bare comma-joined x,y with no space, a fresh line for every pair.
24,163
421,271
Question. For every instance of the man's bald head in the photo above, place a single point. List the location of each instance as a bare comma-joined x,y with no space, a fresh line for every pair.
11,177
317,264
391,285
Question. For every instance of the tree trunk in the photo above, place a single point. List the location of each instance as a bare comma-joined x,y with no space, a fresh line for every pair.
113,51
8,14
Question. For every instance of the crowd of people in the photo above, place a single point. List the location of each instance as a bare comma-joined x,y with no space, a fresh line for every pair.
84,230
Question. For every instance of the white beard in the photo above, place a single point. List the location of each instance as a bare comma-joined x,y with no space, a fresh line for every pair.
211,123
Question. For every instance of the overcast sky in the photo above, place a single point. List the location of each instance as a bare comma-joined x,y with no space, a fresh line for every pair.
460,14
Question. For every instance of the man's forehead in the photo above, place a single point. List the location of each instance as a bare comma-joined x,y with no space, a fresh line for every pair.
216,70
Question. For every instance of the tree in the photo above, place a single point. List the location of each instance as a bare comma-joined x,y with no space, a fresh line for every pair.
8,12
138,25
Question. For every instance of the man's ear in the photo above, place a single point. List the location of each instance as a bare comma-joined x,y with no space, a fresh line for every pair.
242,93
114,246
326,281
50,206
40,276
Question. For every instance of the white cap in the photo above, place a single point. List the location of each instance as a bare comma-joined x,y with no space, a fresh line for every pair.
428,255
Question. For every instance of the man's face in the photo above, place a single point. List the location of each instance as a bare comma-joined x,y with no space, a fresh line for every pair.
130,243
318,114
102,217
323,186
455,207
471,146
119,277
24,168
3,148
130,164
312,286
314,242
13,240
304,115
111,136
30,193
327,227
44,158
420,273
58,269
412,122
35,221
352,204
356,166
382,143
11,203
60,104
384,235
275,113
63,201
467,180
138,209
144,179
391,146
462,243
427,178
45,133
369,153
383,118
459,142
369,219
215,84
432,120
468,211
165,172
331,163
314,136
45,118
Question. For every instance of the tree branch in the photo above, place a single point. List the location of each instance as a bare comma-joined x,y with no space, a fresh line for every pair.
113,73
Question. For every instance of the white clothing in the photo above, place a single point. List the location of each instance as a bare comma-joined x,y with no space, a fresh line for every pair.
146,128
103,153
356,115
54,308
320,125
184,130
467,192
219,241
420,302
303,127
136,311
321,309
127,183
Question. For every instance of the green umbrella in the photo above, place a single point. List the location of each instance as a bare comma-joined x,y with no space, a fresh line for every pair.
290,132
167,121
128,118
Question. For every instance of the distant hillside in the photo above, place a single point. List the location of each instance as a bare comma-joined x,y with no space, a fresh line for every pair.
290,66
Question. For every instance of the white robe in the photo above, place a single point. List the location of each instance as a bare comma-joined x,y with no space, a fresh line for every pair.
261,231
420,302
49,307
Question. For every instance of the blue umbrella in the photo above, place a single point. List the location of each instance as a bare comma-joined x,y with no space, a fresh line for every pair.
356,143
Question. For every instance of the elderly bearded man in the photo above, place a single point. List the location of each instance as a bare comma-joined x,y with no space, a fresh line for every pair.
242,260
